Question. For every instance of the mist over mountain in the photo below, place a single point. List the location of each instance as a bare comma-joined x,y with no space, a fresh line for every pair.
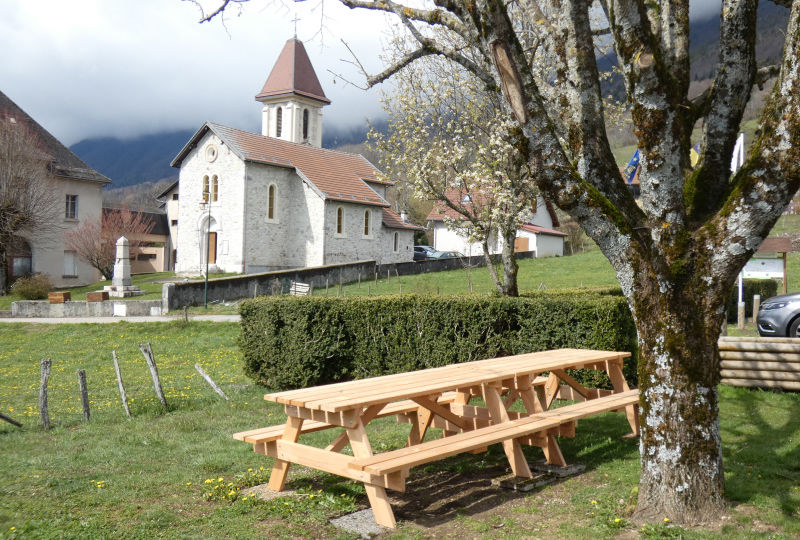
147,158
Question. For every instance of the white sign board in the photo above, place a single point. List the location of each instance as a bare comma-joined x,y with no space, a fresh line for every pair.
763,269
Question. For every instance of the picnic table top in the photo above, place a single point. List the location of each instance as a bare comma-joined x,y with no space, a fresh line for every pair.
351,395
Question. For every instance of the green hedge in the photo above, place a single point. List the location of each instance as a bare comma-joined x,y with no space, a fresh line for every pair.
293,342
767,288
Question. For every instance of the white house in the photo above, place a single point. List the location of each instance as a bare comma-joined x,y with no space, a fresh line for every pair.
78,190
537,235
277,200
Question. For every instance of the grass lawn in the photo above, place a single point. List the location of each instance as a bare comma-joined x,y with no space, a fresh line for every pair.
151,475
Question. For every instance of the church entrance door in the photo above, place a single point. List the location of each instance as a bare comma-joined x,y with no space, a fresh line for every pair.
212,248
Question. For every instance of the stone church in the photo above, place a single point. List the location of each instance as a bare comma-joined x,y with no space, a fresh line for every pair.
251,202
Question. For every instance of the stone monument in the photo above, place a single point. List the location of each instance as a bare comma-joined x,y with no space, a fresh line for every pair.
121,281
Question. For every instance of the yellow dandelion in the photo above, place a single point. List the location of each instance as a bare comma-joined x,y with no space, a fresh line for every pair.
261,468
594,502
188,483
249,470
617,520
666,520
219,479
209,481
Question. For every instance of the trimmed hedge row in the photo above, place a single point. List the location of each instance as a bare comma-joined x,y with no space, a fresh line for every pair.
292,342
767,288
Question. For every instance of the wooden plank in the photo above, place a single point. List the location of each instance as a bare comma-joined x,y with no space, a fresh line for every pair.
277,478
752,383
376,494
365,418
760,375
770,347
438,410
330,462
471,373
412,456
578,387
512,448
763,366
784,358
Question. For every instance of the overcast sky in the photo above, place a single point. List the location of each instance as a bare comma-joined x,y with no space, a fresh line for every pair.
86,68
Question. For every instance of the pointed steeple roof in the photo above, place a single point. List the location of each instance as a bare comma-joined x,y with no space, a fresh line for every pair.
293,74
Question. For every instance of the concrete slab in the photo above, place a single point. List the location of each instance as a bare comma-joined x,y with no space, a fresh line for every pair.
361,523
555,470
515,483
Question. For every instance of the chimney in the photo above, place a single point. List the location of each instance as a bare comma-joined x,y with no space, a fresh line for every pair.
404,216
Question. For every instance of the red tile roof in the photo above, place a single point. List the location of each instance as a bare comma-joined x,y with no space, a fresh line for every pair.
393,221
336,175
293,74
440,210
530,227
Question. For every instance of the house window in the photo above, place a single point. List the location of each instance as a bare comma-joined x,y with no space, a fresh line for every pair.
174,196
214,188
70,264
305,124
396,242
72,207
340,220
279,122
366,222
20,266
205,189
271,202
174,222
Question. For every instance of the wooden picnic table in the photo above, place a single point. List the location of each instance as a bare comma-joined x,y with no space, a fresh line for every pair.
440,397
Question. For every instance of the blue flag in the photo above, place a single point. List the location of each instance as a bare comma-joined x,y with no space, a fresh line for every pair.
630,170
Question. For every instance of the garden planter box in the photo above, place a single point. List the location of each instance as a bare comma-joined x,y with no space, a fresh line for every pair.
58,297
96,296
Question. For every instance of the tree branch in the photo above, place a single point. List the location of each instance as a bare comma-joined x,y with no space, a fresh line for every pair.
432,17
766,73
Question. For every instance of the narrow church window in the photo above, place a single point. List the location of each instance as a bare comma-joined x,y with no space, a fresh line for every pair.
279,122
366,223
271,202
305,124
396,242
205,189
214,188
340,220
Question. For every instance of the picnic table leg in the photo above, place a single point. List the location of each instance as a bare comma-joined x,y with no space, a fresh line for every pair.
366,417
526,392
513,450
614,370
376,495
277,478
420,426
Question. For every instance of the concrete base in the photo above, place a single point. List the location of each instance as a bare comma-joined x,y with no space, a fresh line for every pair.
123,291
361,523
555,470
510,481
130,308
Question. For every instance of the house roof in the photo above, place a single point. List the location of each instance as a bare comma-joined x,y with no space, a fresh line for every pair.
392,220
293,74
776,244
338,176
166,191
530,227
440,210
62,161
159,220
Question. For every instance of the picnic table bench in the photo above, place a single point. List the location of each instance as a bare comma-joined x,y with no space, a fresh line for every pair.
440,397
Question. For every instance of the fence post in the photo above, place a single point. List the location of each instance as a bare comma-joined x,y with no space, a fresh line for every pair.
122,393
44,413
147,352
756,305
84,394
724,331
211,383
740,316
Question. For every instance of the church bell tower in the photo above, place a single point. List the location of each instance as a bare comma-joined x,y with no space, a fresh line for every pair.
293,98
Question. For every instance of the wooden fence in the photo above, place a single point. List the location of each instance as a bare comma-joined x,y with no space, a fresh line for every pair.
760,362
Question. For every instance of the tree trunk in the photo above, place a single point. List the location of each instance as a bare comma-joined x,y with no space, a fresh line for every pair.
510,266
490,266
681,451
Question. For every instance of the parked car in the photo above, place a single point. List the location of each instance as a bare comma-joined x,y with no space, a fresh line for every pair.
445,254
779,316
423,252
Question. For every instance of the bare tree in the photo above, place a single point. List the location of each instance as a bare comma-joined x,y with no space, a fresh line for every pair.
28,203
95,240
677,256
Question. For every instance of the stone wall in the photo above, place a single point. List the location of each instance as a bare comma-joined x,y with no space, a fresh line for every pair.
190,293
81,308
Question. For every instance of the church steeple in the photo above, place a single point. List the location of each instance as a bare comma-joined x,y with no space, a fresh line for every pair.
293,98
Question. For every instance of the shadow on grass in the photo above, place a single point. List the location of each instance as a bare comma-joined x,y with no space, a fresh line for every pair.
762,459
461,485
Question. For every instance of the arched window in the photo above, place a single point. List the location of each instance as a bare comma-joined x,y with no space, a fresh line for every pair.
279,122
214,188
271,202
305,124
340,220
366,222
205,189
396,242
